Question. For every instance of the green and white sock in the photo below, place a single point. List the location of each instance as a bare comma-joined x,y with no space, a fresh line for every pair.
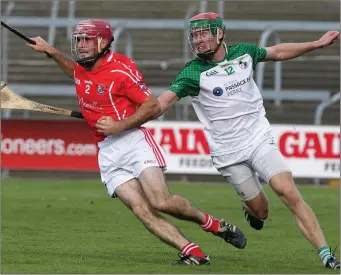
325,254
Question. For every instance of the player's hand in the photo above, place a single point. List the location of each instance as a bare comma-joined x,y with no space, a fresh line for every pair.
108,127
40,46
329,38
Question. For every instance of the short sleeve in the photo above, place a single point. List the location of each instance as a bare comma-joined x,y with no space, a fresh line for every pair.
131,86
136,90
258,54
186,83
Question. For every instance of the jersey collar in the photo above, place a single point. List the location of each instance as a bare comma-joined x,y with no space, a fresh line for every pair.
108,57
106,60
225,57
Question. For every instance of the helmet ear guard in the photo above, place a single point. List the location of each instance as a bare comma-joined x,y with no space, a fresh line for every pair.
99,41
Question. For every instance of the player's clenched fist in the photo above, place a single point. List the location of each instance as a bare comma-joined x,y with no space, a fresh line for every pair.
40,46
107,126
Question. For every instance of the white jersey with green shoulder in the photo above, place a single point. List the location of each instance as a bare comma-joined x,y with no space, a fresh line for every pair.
225,98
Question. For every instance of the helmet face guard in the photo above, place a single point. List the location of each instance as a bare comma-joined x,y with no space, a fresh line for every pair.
86,41
84,48
203,35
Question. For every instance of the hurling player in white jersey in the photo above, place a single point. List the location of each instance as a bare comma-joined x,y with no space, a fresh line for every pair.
229,105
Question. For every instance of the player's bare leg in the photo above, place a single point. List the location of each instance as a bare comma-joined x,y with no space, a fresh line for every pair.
157,193
256,210
306,220
132,195
245,181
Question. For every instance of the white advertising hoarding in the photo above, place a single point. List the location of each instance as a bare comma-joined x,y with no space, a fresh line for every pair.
311,151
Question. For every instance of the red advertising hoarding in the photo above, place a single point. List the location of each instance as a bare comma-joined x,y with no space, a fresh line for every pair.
310,150
47,145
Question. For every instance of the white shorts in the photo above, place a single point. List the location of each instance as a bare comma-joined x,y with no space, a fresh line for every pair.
240,168
125,156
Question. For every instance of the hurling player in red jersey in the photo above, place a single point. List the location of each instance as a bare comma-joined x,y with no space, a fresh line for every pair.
111,88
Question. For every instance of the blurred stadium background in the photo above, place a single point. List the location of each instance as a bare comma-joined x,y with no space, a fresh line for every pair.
304,91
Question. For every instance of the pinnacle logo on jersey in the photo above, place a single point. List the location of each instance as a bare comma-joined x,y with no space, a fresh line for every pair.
210,73
77,81
243,64
91,105
217,91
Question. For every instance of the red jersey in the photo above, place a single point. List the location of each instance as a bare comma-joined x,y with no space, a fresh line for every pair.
116,89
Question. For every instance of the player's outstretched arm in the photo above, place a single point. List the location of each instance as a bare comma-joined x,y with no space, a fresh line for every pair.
64,62
286,51
167,101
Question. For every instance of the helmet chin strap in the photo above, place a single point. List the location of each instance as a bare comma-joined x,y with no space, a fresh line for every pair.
89,62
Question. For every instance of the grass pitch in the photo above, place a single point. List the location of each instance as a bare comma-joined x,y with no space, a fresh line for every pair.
59,226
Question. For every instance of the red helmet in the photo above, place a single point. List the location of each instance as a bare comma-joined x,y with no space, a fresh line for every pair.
205,15
96,30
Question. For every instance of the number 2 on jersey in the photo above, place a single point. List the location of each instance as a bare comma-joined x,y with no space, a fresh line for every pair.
87,88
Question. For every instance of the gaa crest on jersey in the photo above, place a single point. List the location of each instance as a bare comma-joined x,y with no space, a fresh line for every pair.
243,64
212,72
100,89
217,91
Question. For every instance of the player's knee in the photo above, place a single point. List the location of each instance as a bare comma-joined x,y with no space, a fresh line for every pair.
292,197
259,206
164,204
160,204
262,213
